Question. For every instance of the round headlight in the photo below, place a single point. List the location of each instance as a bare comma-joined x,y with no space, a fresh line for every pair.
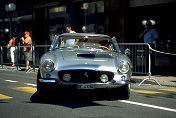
66,77
104,78
48,66
123,67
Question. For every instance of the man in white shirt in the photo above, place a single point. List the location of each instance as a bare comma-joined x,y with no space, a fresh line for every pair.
71,42
149,34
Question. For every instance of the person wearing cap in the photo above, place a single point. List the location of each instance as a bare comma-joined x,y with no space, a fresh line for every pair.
27,43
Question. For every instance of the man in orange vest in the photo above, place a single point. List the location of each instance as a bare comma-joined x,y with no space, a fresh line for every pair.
27,43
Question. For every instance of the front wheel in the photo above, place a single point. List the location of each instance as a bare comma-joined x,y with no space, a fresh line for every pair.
40,89
124,92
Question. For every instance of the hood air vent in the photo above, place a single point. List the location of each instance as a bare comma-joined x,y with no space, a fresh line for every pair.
86,55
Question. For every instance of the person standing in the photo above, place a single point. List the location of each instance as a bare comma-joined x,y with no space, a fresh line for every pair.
12,47
71,42
27,43
149,34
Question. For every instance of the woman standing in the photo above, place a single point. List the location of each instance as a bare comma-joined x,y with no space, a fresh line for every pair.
12,47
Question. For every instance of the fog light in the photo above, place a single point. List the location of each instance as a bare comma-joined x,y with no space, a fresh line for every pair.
104,78
66,77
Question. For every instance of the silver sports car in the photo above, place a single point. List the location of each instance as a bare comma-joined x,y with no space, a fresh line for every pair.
86,62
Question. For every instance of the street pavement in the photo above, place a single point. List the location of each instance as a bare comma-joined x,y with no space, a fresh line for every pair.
163,80
18,99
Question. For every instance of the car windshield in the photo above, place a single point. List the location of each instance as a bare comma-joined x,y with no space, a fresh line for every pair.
86,42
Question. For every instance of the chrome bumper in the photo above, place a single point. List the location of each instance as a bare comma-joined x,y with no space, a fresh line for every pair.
47,81
111,84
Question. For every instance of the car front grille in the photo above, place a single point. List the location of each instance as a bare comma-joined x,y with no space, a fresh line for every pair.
85,76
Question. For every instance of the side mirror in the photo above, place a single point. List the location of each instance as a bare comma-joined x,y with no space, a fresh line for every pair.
127,51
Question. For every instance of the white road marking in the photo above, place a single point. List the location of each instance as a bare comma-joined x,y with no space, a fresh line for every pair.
148,105
10,81
29,84
123,101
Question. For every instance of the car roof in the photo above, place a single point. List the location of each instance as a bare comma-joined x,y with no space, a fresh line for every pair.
85,34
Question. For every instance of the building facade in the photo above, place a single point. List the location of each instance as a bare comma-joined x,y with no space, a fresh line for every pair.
120,18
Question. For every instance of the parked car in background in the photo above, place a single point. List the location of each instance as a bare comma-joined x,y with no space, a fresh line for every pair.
95,62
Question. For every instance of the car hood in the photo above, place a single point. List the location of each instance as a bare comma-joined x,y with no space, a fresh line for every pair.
76,59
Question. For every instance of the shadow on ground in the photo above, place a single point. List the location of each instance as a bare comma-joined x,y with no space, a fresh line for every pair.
72,100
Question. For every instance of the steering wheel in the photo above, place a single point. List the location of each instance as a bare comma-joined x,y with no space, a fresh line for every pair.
76,46
103,47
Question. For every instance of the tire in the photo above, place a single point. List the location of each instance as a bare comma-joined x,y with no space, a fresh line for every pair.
40,89
125,92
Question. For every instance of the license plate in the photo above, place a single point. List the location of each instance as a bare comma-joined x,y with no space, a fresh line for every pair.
85,86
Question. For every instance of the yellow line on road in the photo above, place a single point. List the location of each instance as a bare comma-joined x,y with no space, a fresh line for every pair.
26,89
4,97
150,92
171,90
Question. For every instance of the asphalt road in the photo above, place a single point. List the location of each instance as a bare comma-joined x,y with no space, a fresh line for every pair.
18,99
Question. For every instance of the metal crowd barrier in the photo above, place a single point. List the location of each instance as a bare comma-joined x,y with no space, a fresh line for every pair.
39,50
5,58
140,57
1,61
